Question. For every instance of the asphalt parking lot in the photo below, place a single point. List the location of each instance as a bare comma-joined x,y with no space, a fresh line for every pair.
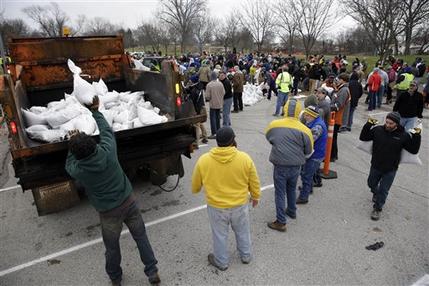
325,245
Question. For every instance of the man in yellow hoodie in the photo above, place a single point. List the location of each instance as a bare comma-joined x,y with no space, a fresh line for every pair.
291,144
228,176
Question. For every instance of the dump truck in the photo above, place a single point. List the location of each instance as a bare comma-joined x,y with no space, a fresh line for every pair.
39,74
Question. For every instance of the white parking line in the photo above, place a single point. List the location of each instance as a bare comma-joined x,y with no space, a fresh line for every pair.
424,281
10,188
98,240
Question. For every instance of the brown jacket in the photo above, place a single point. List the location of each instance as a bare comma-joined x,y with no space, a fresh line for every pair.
214,94
238,82
204,73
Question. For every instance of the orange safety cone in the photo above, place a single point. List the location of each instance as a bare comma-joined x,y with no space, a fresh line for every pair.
326,173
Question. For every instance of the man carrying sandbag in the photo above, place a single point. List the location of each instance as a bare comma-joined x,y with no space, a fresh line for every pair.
97,168
388,141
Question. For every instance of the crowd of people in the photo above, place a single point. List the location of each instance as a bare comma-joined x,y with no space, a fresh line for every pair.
298,142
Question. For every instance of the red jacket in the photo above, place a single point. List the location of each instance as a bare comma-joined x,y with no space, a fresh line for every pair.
374,82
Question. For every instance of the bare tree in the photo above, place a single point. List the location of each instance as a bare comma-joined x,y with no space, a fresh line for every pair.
415,13
50,18
245,40
421,38
227,32
13,28
181,15
380,19
150,34
79,26
203,31
287,25
99,26
312,19
257,18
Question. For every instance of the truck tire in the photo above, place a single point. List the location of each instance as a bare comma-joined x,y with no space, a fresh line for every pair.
55,197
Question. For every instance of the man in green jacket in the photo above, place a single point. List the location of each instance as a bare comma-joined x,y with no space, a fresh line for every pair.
97,168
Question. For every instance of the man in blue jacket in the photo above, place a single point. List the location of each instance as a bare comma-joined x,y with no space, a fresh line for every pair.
97,168
312,164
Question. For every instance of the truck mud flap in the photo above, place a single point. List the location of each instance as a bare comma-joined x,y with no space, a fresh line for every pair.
55,197
159,170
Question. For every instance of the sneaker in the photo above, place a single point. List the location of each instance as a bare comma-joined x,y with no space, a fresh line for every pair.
375,215
154,279
212,261
274,114
212,137
290,214
246,260
301,201
318,185
116,282
277,226
205,141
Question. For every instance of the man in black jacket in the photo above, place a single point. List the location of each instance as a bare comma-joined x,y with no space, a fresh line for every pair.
388,141
195,92
409,104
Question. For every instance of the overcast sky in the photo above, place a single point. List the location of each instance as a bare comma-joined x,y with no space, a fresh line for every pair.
128,13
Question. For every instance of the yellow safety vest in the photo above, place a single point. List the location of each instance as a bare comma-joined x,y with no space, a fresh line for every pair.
283,81
405,84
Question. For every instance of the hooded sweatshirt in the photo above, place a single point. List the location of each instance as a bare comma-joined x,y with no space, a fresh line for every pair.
228,176
292,141
105,182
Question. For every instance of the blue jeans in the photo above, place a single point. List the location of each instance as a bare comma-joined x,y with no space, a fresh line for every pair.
372,100
408,122
226,111
220,219
350,121
285,180
380,96
380,183
308,171
111,227
281,100
214,120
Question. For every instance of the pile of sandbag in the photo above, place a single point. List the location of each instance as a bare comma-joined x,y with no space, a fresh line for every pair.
252,94
122,110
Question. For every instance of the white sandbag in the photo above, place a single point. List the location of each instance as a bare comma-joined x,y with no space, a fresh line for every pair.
73,68
117,127
139,66
58,118
33,119
145,104
131,97
365,146
100,87
36,128
406,157
109,97
137,123
50,135
57,105
109,115
121,117
38,109
82,90
85,123
149,117
68,126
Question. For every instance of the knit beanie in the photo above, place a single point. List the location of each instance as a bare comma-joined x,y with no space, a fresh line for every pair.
311,110
225,136
394,116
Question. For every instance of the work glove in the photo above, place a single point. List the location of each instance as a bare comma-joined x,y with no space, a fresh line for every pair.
372,121
416,131
95,104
